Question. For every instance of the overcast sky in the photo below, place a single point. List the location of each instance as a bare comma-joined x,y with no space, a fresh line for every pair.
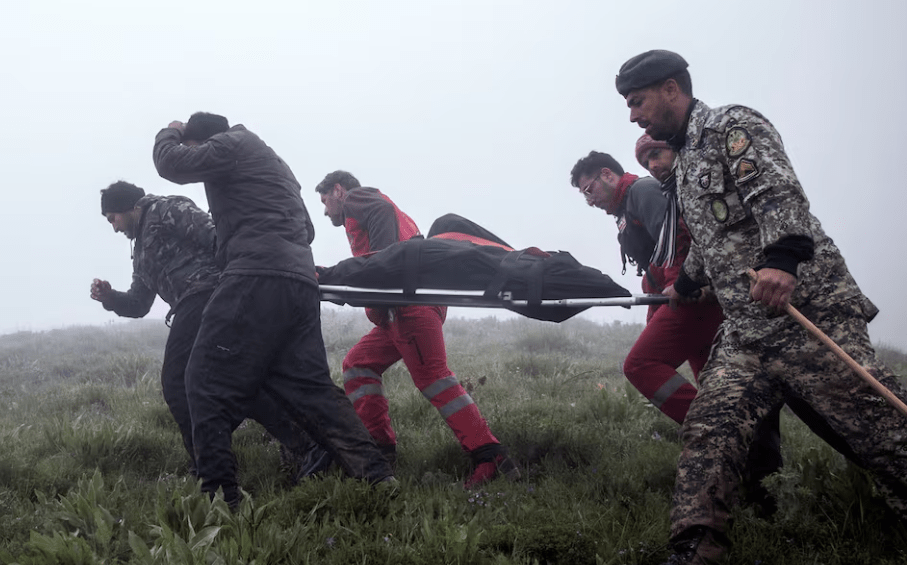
474,107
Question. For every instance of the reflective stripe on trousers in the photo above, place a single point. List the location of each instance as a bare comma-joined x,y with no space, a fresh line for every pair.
452,406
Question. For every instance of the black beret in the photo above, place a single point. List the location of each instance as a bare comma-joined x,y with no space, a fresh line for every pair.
121,196
648,68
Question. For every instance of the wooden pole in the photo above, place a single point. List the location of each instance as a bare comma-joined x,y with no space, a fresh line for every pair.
859,369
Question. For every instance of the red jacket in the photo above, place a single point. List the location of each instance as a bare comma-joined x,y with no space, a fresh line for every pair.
372,222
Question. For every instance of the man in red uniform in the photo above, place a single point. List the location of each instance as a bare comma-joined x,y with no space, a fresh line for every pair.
671,336
654,238
412,333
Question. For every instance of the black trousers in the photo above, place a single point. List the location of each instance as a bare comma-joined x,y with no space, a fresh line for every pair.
261,336
187,318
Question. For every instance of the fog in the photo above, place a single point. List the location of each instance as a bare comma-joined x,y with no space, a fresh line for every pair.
478,108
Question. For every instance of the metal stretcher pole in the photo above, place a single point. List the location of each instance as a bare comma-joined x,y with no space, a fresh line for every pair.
635,300
474,298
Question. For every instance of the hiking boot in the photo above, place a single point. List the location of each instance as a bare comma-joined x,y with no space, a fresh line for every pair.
491,460
389,451
316,460
698,545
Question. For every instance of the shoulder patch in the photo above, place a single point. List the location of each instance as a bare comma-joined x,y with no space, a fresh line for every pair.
737,141
746,170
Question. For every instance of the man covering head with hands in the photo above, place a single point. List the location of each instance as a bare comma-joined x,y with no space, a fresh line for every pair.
261,330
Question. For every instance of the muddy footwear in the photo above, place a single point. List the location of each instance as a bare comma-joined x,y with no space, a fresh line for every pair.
232,496
698,545
315,460
389,451
491,460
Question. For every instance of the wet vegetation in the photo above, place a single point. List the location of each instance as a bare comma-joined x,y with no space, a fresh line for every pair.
92,469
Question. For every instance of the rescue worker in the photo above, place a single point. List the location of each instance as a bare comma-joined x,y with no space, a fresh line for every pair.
260,332
671,336
173,258
745,209
412,333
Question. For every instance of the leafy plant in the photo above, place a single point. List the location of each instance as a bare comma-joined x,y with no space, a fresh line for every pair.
94,471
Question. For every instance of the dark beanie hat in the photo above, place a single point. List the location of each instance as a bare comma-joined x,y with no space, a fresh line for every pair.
121,196
648,68
202,125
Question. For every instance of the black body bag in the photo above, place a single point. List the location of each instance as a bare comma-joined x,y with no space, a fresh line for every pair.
460,264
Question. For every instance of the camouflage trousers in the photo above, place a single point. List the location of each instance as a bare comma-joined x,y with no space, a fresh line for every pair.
741,383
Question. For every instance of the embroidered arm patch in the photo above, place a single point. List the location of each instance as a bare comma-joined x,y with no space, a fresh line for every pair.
746,170
737,142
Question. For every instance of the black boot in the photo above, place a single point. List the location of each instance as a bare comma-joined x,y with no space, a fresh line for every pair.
315,460
389,451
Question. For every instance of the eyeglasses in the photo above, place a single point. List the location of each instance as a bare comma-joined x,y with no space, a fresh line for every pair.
588,188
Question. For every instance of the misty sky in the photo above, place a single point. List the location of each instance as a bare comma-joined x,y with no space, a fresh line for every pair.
474,107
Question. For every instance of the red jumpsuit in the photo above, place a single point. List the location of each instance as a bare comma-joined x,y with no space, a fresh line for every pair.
412,333
671,336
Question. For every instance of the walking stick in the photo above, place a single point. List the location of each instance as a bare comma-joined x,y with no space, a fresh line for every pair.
859,369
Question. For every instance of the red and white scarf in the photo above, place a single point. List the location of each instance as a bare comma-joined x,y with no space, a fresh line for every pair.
617,199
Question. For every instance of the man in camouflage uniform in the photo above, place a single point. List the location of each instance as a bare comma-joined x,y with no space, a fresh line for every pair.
745,210
174,257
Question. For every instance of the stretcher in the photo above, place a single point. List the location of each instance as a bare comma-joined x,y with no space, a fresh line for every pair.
463,264
378,297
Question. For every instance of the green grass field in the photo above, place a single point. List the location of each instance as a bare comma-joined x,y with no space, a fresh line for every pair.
92,470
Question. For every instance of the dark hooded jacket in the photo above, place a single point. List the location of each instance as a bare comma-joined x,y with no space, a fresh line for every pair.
263,227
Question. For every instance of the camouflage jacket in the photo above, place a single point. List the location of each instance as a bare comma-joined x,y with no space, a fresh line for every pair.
173,255
738,195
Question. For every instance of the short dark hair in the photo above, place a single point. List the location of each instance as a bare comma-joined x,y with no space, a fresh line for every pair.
684,82
202,125
119,197
592,164
343,178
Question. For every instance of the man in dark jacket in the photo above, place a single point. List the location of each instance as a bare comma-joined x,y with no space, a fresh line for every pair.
173,258
261,329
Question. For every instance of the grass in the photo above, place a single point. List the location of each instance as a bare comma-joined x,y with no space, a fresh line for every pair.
93,470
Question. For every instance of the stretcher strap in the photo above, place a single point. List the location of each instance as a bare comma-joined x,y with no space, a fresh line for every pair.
411,255
510,266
